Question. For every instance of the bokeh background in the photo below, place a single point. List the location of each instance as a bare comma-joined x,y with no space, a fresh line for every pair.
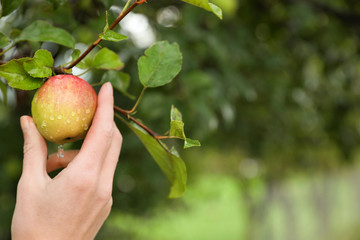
272,92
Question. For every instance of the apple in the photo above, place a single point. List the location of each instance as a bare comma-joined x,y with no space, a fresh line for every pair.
63,108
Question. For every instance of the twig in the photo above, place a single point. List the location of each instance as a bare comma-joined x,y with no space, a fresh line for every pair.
127,115
123,112
113,25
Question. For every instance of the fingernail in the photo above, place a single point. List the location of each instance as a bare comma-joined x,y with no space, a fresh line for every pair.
108,88
24,122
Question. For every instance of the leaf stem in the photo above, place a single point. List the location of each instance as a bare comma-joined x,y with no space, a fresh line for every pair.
96,84
143,126
137,101
112,26
149,131
86,71
168,137
11,46
126,6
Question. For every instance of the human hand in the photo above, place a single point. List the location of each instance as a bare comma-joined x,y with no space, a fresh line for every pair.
75,203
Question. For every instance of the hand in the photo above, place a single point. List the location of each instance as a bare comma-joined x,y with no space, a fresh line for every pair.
75,203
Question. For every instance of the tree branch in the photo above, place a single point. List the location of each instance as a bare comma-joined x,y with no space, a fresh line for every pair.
128,116
112,26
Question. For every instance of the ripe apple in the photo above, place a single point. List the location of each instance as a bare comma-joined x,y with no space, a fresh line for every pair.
63,108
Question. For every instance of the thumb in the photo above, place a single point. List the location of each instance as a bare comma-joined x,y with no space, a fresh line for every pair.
35,150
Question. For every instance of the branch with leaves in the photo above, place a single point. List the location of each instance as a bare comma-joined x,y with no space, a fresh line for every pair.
159,65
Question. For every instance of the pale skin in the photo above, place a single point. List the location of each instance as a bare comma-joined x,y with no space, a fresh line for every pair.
75,203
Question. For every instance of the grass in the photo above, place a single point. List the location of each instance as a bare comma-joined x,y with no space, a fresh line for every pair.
219,205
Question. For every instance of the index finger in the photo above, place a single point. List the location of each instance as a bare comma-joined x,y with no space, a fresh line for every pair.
98,139
54,162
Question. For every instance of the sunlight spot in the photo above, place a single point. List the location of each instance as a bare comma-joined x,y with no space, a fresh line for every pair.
168,16
137,27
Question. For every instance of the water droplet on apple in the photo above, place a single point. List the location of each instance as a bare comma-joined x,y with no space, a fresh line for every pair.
88,111
43,124
59,117
83,119
77,119
68,121
52,117
73,114
86,127
45,115
79,111
60,153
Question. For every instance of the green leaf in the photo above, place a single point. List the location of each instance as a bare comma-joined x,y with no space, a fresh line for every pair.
176,123
119,80
75,55
110,35
216,10
8,6
3,89
175,114
169,162
41,65
191,143
4,40
107,59
207,6
42,31
178,186
17,77
14,33
161,63
177,128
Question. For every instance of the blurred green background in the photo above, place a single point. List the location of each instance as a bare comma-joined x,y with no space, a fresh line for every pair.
272,92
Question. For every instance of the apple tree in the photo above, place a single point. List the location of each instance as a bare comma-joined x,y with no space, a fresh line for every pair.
159,65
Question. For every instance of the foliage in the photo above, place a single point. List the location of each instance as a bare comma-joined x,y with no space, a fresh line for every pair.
16,75
277,79
160,65
160,56
41,31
